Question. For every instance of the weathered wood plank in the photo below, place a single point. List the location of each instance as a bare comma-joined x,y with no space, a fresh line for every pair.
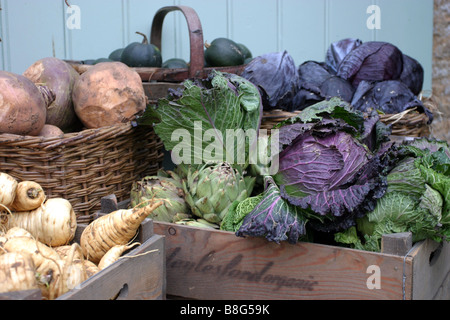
396,243
205,264
140,275
431,266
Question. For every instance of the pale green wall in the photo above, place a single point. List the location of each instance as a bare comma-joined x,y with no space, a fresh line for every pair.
32,29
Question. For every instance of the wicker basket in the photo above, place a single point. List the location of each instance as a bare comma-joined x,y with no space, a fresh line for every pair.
408,123
84,166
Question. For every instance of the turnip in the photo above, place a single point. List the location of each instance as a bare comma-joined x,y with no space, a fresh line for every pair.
8,186
23,106
29,196
59,77
115,228
53,223
107,94
17,272
50,131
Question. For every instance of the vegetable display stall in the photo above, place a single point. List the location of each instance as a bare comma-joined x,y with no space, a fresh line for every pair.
295,236
199,261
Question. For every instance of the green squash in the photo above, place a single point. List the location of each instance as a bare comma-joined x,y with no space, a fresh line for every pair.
142,54
116,54
223,52
245,51
175,63
102,60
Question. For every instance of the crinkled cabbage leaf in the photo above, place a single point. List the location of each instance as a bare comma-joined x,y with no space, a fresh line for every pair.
195,119
274,218
417,199
326,168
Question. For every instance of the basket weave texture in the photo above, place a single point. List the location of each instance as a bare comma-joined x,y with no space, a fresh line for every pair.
408,123
83,167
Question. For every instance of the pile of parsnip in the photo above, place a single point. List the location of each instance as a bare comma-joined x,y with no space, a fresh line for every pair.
36,247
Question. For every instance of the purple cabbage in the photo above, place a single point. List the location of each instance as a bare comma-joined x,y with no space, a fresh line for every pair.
274,218
326,168
372,61
390,96
338,50
317,83
412,74
275,75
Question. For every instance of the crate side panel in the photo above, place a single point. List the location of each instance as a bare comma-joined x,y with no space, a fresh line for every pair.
200,261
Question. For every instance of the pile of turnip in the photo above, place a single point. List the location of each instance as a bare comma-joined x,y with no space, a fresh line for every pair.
37,250
51,98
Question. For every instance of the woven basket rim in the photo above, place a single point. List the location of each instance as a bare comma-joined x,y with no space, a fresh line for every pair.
70,138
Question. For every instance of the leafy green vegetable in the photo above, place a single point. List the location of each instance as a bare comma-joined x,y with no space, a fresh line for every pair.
417,199
330,163
237,212
274,218
194,122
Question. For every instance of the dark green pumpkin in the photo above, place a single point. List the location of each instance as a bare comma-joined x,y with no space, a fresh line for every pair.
142,54
88,61
223,52
116,54
175,63
245,51
102,60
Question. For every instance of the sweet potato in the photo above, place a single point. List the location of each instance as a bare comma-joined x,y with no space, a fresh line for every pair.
29,196
115,228
54,223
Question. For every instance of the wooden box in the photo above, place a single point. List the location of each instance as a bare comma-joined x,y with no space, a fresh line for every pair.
139,275
209,264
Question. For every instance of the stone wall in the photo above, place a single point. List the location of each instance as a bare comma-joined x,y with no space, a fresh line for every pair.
441,68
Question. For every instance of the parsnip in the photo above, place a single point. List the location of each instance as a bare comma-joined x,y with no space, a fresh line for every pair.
115,228
17,272
17,232
91,268
114,254
8,186
72,274
54,223
40,253
29,196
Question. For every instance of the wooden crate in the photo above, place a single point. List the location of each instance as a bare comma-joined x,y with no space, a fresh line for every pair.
212,264
139,277
204,264
142,276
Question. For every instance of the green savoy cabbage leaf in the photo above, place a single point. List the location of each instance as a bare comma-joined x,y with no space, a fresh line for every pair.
417,200
208,119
